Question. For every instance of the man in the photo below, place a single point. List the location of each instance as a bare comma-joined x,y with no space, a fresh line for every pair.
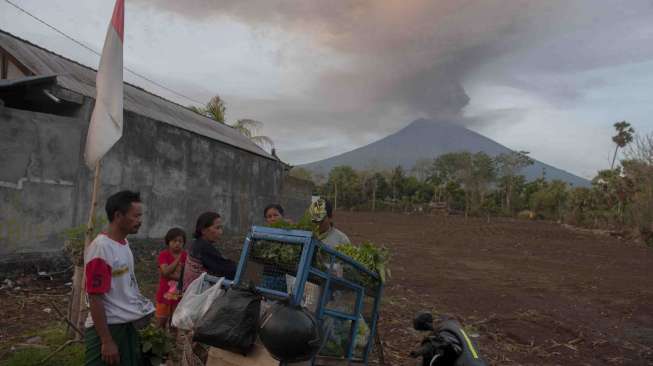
321,212
114,298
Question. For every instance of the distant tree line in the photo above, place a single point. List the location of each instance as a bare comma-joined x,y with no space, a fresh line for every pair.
476,184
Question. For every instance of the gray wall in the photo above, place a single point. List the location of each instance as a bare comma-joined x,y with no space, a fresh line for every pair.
179,174
38,170
295,196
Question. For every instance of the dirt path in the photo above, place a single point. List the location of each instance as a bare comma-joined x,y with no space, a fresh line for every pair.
535,292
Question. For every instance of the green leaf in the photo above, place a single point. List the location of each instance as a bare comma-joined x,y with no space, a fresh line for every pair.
158,349
147,346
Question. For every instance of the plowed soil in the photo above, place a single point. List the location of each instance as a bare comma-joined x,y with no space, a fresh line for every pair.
532,293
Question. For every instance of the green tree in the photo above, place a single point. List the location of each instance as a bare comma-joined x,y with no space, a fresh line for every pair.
623,137
434,183
530,188
638,172
343,186
483,175
446,167
474,172
508,167
550,199
379,188
453,172
397,182
581,206
490,206
611,185
455,195
425,192
374,187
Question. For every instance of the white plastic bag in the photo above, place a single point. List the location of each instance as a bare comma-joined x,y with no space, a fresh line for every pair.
312,293
195,303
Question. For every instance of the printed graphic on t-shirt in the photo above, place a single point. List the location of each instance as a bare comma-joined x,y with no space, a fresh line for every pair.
119,271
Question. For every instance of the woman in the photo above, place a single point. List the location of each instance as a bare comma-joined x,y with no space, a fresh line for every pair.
272,213
273,278
203,256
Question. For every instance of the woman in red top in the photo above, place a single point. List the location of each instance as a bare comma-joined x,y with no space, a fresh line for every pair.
171,262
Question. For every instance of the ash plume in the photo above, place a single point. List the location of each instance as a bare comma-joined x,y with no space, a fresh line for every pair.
415,55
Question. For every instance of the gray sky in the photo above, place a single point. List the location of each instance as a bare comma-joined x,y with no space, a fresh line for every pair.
549,77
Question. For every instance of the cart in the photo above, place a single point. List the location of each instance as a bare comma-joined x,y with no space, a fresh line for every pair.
345,296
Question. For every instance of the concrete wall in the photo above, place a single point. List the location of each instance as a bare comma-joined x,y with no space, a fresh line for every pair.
179,174
38,170
295,196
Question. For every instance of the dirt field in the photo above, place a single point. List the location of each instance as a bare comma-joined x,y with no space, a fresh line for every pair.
536,293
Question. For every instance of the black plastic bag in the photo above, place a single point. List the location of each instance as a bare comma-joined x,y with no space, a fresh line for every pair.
232,321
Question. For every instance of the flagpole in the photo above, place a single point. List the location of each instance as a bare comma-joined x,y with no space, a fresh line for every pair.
79,278
90,226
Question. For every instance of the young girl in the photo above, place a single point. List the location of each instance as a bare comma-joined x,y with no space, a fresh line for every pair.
171,261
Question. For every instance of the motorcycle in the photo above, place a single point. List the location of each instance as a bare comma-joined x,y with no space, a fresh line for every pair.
446,345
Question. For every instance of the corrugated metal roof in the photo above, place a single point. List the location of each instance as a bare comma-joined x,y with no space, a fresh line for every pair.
81,79
29,80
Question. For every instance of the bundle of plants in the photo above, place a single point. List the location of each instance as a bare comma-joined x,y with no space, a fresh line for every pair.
156,345
286,255
373,257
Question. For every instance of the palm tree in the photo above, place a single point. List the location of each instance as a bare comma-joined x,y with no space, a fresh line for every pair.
623,137
215,110
196,109
249,127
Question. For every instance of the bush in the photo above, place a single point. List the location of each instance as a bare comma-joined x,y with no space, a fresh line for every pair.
156,345
74,240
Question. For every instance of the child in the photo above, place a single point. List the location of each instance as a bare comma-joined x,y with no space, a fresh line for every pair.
171,261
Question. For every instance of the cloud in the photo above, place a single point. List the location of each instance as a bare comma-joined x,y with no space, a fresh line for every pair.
415,54
349,72
410,54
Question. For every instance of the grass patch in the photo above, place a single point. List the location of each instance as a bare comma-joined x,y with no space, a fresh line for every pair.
52,337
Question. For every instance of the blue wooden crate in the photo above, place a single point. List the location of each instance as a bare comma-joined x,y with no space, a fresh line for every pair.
291,264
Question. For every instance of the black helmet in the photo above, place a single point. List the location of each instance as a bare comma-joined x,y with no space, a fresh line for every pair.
290,333
423,321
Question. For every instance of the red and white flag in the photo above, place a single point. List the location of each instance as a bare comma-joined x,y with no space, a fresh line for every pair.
106,122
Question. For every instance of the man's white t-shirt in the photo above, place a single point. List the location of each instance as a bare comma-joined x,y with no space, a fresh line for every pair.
334,237
109,267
